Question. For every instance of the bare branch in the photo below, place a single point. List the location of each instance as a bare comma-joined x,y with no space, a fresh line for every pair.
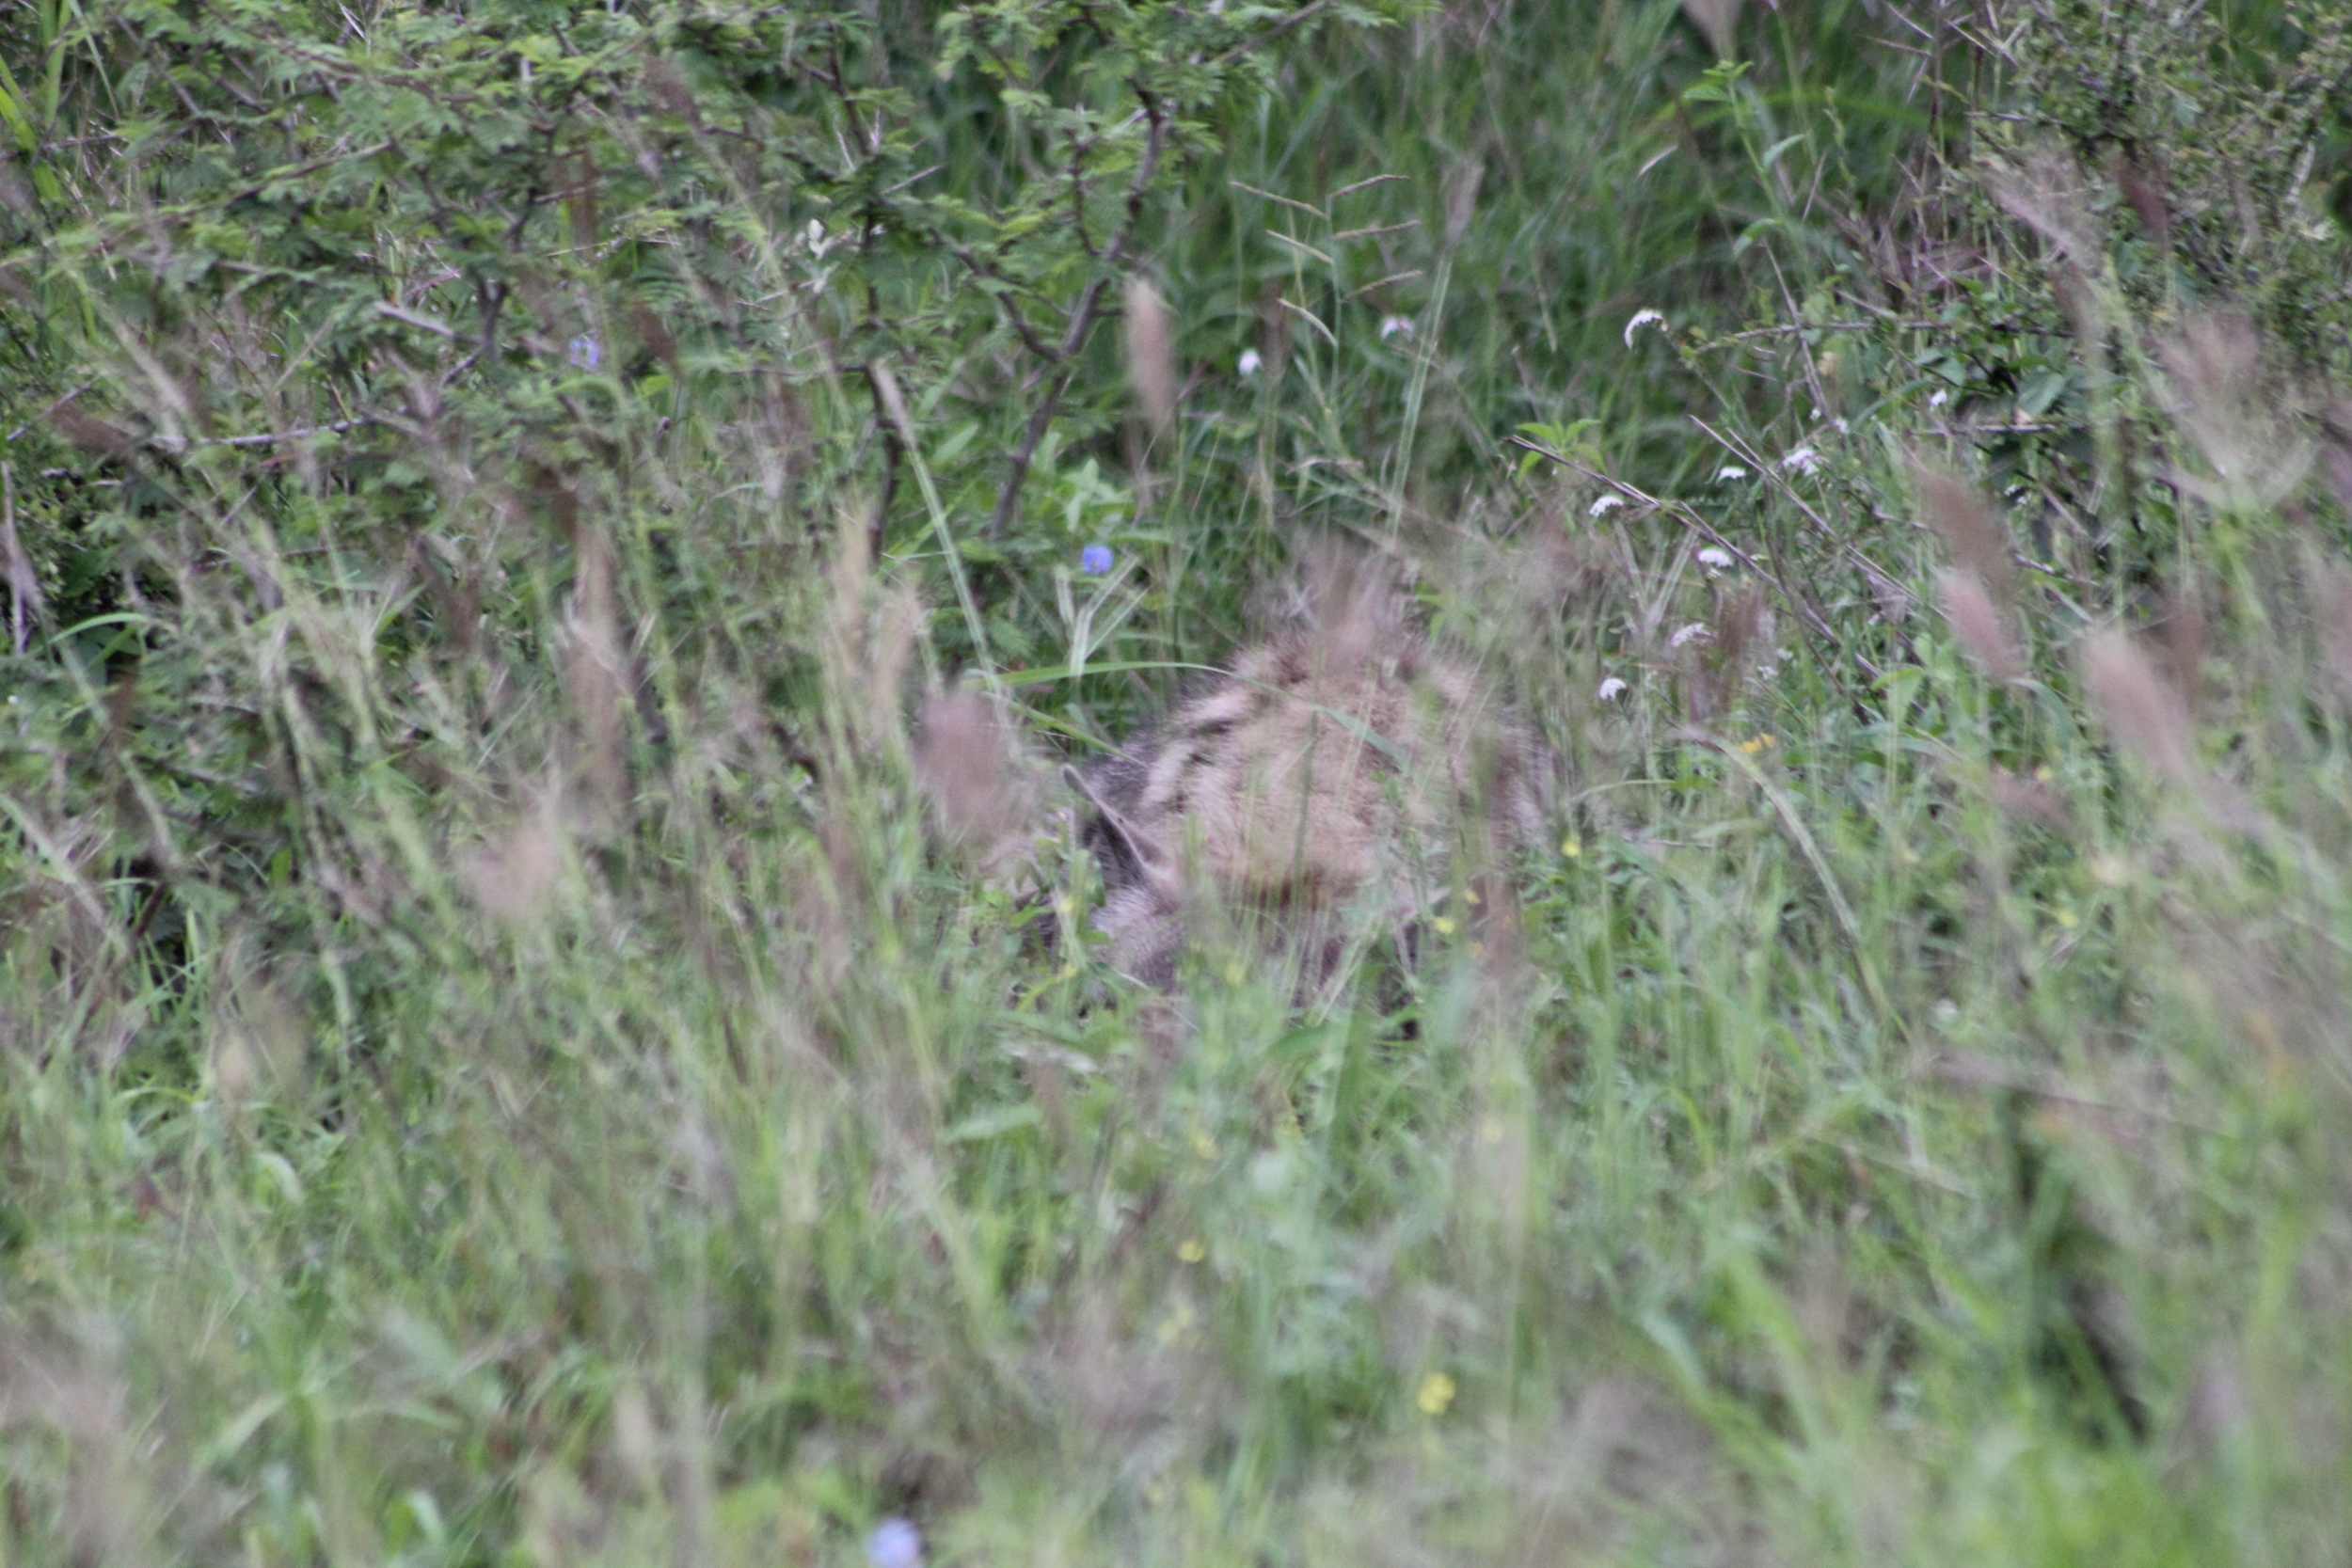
1083,314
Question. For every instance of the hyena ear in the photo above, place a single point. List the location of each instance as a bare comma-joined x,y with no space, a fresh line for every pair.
1138,848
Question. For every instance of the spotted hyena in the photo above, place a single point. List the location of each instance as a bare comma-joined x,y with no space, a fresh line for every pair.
1345,771
1345,775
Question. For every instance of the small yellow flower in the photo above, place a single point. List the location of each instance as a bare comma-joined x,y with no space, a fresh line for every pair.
1570,848
1172,1327
1445,926
2065,918
1234,972
1204,1146
1191,1249
1751,746
1437,1392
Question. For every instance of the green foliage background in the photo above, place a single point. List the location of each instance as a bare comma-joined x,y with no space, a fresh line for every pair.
501,1065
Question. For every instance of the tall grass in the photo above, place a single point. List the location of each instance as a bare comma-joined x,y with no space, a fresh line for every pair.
501,1064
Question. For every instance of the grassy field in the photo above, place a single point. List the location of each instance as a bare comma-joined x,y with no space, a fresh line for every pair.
500,1063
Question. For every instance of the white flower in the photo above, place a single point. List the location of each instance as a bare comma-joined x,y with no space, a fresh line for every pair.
1804,460
1935,399
1606,503
1249,362
1731,471
1642,319
1721,560
1391,326
1685,634
1610,689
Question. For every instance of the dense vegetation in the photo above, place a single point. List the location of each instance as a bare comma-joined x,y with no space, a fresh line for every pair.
502,1060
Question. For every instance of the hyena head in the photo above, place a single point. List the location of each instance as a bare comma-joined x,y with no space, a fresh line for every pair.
1344,768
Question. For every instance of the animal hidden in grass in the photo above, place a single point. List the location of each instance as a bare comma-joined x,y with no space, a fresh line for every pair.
1344,780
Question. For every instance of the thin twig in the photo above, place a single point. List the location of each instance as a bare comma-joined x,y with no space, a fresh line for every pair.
1297,17
1880,582
273,437
416,319
1082,318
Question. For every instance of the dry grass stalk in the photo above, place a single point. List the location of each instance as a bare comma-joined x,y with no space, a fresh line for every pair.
970,763
2334,603
1150,355
25,597
1461,193
2031,797
1979,624
1969,528
2143,713
2047,195
2234,411
512,876
2335,449
1718,21
110,1510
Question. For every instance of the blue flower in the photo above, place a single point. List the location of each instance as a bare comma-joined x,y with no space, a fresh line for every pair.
586,353
895,1543
1095,560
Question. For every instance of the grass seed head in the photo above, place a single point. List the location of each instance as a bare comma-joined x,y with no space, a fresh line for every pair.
2046,194
2335,624
2226,402
1150,355
1971,532
1718,21
1979,624
1461,199
514,874
2142,712
970,766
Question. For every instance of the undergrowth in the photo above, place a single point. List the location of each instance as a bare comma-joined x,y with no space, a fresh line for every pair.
503,1064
